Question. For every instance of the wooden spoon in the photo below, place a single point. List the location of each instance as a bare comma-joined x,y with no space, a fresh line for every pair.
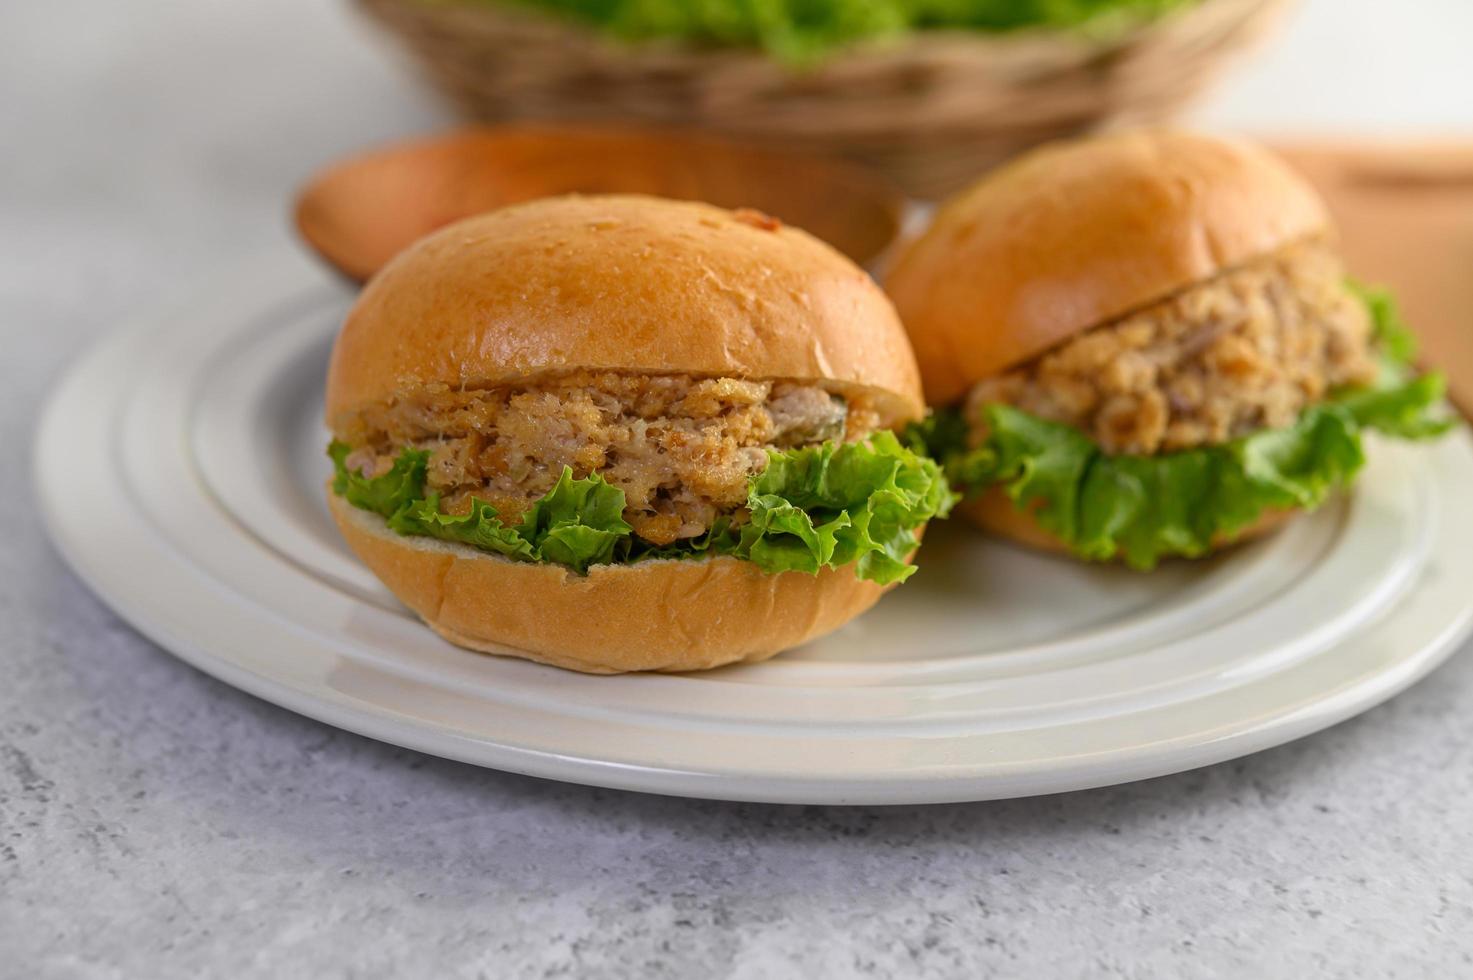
360,212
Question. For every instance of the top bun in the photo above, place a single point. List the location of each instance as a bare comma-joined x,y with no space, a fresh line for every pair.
622,283
1075,234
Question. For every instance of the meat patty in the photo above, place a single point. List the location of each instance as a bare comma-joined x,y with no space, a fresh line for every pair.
681,448
1249,349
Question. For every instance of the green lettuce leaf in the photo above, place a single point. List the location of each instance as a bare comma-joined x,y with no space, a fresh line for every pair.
801,31
387,494
842,503
577,523
481,528
1389,332
1397,403
1407,409
823,506
1145,508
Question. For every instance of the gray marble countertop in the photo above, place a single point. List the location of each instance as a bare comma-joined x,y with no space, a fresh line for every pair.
156,823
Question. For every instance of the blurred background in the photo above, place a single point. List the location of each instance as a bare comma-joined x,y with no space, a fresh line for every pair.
148,142
186,123
182,128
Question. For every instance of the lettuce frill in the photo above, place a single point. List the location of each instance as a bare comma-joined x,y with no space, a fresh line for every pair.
832,505
1145,508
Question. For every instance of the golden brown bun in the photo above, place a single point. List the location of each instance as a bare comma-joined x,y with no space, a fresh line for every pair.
994,511
658,615
622,283
1075,234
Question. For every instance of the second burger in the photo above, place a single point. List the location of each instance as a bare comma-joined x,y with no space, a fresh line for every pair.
1145,345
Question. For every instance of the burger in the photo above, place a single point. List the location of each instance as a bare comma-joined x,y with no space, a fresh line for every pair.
1145,345
622,433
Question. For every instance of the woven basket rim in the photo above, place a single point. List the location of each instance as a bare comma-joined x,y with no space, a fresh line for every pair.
926,107
932,40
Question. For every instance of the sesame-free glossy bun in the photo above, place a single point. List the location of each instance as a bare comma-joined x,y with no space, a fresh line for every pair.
655,615
1075,234
621,283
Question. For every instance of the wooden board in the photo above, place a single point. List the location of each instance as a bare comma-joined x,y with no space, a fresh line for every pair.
1405,213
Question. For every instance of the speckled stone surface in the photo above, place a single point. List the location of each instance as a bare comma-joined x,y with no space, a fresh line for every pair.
155,823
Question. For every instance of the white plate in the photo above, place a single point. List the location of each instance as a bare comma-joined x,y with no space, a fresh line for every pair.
180,469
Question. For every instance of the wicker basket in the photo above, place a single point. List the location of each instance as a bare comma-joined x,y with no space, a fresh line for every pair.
931,110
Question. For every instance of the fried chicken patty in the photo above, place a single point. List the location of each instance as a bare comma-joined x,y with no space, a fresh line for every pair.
681,448
1249,349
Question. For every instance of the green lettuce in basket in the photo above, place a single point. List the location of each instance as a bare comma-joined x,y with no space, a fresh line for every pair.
1144,508
831,505
804,30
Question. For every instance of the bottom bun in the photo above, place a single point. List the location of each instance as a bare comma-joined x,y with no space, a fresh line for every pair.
656,615
995,511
